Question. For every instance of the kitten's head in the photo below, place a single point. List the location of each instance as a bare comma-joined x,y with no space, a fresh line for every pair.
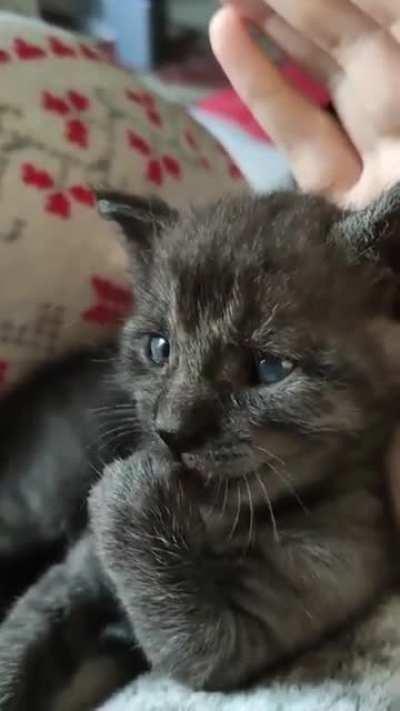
265,333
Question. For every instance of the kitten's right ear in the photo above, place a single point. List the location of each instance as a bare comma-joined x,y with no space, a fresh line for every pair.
373,233
141,219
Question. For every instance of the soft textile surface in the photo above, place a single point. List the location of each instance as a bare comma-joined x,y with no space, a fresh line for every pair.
70,120
360,671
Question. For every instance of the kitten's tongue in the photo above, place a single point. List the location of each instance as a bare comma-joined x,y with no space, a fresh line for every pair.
194,481
195,465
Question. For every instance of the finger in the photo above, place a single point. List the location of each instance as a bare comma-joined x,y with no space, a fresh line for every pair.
365,61
316,62
256,10
322,158
335,26
385,12
369,58
305,52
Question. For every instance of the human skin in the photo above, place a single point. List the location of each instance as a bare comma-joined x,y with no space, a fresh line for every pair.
353,47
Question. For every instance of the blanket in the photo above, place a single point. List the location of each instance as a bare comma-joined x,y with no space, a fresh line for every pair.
357,671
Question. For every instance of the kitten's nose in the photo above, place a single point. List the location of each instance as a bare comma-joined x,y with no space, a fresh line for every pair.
180,441
186,418
184,436
171,439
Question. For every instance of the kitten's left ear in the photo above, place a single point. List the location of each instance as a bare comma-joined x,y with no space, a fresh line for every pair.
373,234
141,219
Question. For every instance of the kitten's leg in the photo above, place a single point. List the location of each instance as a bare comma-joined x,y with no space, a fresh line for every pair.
215,621
151,542
50,642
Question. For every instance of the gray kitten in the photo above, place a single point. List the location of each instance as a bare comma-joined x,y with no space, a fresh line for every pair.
260,377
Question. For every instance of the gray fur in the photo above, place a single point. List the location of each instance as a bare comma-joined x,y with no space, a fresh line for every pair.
263,525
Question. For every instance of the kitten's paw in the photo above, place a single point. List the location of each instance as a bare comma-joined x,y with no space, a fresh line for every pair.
140,493
137,482
143,504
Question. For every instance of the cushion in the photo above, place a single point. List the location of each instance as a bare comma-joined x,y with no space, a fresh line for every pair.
70,120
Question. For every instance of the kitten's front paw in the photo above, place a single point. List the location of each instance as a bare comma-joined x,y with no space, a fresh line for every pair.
140,501
136,482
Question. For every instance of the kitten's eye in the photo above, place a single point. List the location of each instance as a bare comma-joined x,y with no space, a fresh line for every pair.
271,370
158,350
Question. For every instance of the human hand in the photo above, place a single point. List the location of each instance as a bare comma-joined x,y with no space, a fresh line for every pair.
351,46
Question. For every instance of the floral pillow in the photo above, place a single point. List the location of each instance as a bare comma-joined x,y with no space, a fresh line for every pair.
70,120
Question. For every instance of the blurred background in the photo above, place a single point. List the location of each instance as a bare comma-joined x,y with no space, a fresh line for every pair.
145,33
166,41
168,37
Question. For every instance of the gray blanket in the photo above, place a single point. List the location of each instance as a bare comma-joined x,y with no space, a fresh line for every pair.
358,671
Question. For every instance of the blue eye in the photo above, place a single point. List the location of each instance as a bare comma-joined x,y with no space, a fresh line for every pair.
158,350
271,370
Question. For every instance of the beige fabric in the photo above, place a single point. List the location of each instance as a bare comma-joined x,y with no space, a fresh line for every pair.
68,120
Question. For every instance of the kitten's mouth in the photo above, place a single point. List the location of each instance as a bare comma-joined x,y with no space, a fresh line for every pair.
208,464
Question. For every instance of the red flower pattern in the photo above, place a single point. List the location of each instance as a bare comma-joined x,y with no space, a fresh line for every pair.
36,177
89,53
154,172
28,51
154,117
172,166
51,102
59,205
77,132
113,302
82,194
60,48
78,100
138,143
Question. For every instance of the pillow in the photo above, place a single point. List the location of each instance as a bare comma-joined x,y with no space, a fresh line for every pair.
70,120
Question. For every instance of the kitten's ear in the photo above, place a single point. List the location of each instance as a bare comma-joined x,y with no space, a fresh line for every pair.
373,234
141,219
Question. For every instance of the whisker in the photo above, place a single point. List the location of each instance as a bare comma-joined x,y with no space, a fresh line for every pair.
225,499
121,420
270,508
285,477
290,487
113,437
237,517
217,493
123,427
115,407
270,454
251,511
116,419
98,472
95,468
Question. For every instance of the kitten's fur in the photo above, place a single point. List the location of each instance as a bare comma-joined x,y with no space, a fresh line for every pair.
263,524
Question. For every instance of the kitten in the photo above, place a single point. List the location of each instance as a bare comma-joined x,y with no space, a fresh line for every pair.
257,389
